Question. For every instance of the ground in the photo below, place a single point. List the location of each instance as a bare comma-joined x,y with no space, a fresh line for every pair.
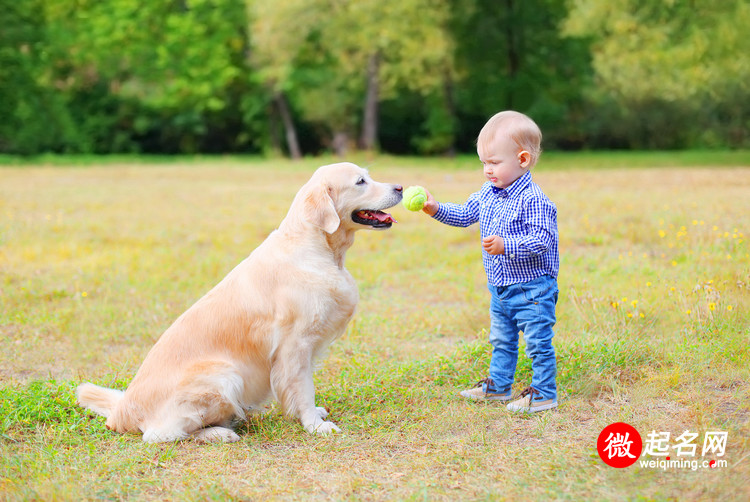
653,323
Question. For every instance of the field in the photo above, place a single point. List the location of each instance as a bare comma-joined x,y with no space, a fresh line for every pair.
96,260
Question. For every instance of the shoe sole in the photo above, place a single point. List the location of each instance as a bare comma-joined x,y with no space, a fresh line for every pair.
493,398
533,409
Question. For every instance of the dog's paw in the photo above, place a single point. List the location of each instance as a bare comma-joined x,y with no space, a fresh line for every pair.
322,428
163,436
322,412
215,435
326,428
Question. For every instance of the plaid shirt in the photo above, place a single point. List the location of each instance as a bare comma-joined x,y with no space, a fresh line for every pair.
526,220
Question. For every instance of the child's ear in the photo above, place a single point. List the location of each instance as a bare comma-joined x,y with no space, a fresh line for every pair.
524,158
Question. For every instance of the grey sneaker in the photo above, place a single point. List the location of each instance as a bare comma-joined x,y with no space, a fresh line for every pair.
484,390
531,401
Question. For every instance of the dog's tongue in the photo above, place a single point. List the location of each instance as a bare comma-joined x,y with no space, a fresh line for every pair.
383,217
380,216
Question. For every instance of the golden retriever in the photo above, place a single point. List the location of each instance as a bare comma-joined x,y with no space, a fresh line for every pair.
257,334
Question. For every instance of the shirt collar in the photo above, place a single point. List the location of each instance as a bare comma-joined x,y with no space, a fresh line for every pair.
515,188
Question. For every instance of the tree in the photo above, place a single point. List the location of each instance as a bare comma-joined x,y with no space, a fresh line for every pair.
673,73
673,50
510,55
337,59
279,32
179,65
35,116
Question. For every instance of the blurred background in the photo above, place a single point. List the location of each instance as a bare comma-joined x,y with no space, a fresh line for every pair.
305,77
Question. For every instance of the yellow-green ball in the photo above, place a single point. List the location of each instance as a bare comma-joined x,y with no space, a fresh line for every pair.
414,198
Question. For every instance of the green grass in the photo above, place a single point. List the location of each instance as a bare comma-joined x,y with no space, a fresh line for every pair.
96,260
614,159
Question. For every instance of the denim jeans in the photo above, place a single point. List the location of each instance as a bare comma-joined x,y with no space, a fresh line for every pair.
527,307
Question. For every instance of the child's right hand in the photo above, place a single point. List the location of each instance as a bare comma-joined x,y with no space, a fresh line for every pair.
431,205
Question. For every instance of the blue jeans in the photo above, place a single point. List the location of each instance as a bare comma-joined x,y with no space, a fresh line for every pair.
527,307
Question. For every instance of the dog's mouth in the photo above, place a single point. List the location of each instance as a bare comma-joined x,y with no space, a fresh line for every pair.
373,218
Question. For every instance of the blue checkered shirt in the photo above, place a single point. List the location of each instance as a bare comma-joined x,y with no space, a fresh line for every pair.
526,220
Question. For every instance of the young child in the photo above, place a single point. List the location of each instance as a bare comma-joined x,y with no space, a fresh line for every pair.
518,226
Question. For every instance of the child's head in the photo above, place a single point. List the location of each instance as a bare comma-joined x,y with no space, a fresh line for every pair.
510,143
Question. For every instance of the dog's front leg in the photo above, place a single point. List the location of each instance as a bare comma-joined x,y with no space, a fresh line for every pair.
291,379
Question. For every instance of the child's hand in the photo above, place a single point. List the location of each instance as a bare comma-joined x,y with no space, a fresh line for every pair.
493,244
431,205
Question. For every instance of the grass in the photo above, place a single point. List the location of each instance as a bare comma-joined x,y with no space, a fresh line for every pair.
653,325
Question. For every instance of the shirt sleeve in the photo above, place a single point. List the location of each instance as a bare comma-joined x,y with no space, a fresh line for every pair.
459,215
540,220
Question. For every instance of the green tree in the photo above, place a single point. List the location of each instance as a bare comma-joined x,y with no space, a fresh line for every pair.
674,73
672,50
338,59
510,55
34,116
183,65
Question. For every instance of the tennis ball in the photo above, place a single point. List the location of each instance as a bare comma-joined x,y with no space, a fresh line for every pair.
414,198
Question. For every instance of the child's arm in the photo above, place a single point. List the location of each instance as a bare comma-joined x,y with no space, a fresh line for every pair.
456,215
540,222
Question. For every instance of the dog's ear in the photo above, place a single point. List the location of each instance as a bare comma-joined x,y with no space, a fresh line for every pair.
319,209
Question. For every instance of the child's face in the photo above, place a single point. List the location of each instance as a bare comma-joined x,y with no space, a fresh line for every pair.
503,161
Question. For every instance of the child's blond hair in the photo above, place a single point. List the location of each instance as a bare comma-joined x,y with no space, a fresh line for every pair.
517,126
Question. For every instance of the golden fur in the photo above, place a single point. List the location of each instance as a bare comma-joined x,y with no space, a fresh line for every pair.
256,335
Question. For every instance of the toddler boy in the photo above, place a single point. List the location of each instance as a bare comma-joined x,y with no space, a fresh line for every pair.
518,226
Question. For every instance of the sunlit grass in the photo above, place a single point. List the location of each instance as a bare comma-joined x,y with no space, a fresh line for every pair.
653,325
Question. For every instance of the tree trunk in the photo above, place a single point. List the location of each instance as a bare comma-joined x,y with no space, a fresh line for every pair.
514,57
450,104
369,138
289,129
340,143
273,126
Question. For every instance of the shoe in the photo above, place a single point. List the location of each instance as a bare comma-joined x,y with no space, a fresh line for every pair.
484,391
531,401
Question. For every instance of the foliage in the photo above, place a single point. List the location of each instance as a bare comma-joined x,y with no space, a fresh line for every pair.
187,76
659,64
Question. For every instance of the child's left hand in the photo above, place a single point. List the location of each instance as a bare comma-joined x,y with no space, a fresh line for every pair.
493,244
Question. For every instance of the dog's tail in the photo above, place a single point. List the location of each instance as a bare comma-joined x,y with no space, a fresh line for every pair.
100,400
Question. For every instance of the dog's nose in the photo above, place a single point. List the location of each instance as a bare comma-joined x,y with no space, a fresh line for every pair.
398,188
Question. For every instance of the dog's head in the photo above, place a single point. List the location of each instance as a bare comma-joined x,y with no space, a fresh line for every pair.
344,195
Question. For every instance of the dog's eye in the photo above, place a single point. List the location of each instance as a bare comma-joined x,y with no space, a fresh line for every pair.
361,181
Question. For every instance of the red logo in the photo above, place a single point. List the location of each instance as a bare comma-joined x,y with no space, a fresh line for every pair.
619,445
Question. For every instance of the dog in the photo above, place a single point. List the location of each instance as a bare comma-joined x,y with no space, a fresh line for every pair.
256,335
